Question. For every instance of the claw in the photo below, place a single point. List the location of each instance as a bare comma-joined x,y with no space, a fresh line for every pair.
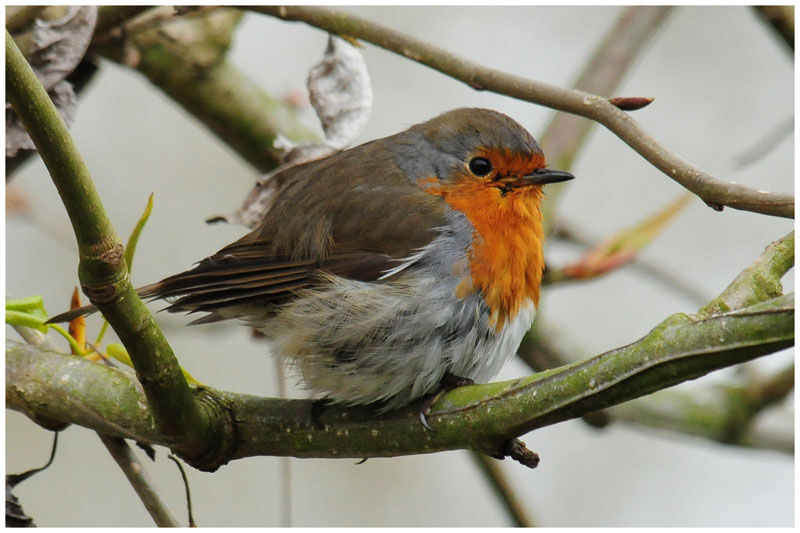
423,417
449,382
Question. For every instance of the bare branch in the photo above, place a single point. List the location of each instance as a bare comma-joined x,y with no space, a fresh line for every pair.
781,19
713,191
140,481
503,490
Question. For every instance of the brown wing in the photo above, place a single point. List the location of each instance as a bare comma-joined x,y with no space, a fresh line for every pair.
324,220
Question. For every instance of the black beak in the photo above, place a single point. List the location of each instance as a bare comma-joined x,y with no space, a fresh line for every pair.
540,176
543,176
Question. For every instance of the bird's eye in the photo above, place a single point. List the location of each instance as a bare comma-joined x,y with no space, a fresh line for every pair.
480,166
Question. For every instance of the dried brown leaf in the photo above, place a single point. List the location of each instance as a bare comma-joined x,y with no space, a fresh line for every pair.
57,47
341,93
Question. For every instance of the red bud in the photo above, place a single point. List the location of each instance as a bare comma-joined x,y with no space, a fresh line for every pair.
631,103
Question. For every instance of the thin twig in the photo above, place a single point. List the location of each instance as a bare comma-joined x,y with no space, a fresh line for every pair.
781,20
766,144
655,271
186,487
565,134
15,479
503,490
139,480
713,191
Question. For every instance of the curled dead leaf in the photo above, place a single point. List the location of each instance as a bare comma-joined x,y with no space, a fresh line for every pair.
340,92
54,49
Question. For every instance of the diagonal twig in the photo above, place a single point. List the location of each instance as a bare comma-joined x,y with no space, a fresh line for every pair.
140,481
505,493
715,192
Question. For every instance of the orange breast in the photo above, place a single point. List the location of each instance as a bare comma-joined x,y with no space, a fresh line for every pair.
506,260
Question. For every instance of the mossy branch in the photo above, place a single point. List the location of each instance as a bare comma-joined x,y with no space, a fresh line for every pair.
480,417
102,270
759,281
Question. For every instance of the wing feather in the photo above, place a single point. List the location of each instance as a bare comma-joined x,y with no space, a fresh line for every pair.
350,227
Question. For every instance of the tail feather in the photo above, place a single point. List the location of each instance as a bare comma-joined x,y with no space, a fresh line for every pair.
68,316
241,275
72,314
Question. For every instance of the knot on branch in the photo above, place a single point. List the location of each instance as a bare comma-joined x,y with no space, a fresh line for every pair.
213,448
517,450
102,273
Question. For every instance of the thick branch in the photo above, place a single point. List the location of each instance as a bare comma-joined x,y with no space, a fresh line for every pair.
759,281
713,191
185,57
102,268
566,134
480,417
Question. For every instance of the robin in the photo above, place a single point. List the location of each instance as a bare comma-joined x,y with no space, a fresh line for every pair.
383,271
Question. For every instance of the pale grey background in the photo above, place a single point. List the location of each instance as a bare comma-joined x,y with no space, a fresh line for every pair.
721,82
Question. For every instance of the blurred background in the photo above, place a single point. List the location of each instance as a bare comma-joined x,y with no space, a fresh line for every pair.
721,81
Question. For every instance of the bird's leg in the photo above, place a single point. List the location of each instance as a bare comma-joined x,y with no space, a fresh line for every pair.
449,382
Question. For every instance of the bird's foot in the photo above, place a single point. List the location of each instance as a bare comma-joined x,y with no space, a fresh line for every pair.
449,382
